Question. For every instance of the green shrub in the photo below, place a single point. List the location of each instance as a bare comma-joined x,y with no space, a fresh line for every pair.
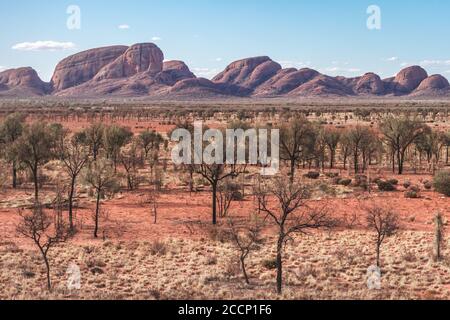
345,182
393,181
385,186
442,182
270,264
412,194
428,185
312,175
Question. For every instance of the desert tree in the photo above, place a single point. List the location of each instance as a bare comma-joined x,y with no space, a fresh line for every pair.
74,156
385,223
187,167
358,138
431,144
149,141
214,174
45,231
10,131
332,137
132,159
345,145
100,176
227,192
93,138
291,215
297,139
446,138
34,148
246,236
114,139
399,134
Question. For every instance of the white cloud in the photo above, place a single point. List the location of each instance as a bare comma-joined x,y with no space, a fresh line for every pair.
392,59
295,64
219,59
342,70
43,46
404,64
2,68
435,62
205,72
156,39
124,27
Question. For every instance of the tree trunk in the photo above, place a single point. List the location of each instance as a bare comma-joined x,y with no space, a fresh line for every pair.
97,211
244,271
280,264
214,202
378,255
71,194
292,171
47,265
36,185
14,175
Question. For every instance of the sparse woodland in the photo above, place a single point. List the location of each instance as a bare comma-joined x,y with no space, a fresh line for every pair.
346,198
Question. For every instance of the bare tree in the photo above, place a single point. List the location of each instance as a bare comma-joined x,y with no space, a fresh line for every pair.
132,159
332,137
74,157
292,215
45,231
101,177
247,238
297,139
385,223
227,193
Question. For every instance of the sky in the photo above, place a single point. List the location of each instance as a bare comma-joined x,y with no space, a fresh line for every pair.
330,36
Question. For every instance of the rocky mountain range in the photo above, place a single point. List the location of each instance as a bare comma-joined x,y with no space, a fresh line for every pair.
140,71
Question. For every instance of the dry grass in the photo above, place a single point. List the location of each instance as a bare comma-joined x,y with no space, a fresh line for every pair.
319,266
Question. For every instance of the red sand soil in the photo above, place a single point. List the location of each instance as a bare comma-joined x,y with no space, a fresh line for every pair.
182,215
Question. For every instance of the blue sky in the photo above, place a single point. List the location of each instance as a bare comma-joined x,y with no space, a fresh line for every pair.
327,35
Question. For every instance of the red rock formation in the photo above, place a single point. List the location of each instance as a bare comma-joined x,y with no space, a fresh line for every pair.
174,71
322,85
144,57
370,83
285,81
434,82
248,73
82,67
22,81
409,79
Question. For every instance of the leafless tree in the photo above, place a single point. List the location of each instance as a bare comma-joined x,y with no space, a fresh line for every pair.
132,159
385,223
297,139
227,193
101,177
74,156
45,231
292,215
246,236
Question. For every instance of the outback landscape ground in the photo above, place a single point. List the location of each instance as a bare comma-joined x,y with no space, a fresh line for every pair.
155,239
